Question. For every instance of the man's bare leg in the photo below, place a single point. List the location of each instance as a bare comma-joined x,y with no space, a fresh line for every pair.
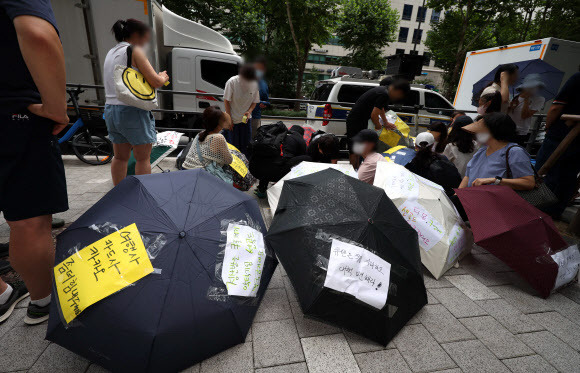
120,161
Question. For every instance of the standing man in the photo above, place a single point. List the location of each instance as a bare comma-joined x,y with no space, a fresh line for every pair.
32,179
240,97
372,105
260,66
562,178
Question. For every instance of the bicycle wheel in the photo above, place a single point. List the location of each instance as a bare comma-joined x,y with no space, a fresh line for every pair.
93,149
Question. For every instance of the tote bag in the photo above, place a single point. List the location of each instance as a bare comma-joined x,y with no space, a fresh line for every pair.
132,87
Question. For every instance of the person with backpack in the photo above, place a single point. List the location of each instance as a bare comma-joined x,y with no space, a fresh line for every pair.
130,128
274,152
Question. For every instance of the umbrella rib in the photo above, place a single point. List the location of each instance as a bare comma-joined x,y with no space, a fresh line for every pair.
215,216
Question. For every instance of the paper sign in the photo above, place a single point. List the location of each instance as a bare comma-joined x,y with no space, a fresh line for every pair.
567,261
457,241
307,168
243,261
237,164
100,269
430,231
231,147
397,182
169,138
430,183
356,271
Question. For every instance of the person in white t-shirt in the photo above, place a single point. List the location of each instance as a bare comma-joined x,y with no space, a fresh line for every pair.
525,105
240,97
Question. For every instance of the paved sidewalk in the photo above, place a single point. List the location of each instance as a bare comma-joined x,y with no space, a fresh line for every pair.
481,317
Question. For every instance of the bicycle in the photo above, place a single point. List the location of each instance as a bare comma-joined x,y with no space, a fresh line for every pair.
87,144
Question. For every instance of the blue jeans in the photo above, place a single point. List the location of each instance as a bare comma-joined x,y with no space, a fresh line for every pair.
240,136
562,177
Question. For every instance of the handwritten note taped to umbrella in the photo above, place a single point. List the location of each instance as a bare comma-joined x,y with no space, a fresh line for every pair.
430,231
100,269
356,271
457,242
237,164
307,168
397,181
568,261
243,261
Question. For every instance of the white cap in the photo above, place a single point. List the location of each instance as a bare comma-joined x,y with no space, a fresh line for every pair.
424,137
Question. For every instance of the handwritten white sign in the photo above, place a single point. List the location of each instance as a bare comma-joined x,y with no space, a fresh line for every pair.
356,271
429,183
457,242
397,181
567,261
430,231
169,138
243,261
307,168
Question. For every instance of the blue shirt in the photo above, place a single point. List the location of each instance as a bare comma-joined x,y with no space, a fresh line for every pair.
264,99
17,89
483,166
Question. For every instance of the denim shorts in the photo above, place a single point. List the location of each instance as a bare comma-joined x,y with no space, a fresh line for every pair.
128,124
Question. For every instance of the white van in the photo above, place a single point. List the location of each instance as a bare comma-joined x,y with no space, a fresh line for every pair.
348,90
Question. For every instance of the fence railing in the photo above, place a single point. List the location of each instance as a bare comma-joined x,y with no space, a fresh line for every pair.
400,109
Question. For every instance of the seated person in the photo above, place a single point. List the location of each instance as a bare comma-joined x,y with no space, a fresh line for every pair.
273,169
433,166
495,132
439,132
324,148
213,146
365,144
461,144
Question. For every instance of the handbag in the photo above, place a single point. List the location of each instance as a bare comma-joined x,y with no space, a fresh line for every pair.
214,169
541,196
132,87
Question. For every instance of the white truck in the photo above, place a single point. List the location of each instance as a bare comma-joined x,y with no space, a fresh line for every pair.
197,58
560,54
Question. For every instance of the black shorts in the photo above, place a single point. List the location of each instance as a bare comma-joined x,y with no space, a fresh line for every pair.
32,178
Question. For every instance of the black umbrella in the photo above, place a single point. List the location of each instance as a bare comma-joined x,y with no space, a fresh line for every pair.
166,321
319,217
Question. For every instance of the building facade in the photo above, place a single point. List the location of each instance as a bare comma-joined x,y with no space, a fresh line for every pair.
415,20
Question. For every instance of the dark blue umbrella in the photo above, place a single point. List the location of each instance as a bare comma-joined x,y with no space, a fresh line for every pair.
165,321
400,155
550,76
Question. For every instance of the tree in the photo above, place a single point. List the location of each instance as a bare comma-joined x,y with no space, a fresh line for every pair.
365,27
310,22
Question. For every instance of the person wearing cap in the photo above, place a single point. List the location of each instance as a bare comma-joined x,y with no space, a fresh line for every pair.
461,145
489,165
525,105
432,166
364,144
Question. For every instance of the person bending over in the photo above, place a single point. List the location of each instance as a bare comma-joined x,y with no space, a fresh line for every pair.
324,148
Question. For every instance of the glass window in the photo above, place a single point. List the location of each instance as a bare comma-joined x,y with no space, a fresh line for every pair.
417,34
407,12
403,34
421,13
411,99
433,100
334,40
413,53
322,92
426,58
217,72
400,51
351,92
435,15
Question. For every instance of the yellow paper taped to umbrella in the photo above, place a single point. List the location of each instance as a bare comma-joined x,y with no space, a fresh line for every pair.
237,164
392,138
100,269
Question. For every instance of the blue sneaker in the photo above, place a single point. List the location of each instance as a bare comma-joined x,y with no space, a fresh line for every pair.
260,194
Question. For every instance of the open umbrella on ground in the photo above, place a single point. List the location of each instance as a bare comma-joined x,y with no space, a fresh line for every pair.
400,154
170,319
352,259
305,168
443,236
520,235
549,75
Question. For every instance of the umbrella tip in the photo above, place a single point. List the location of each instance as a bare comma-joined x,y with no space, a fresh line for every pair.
182,234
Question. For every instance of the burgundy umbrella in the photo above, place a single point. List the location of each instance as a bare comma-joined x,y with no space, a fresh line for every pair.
517,233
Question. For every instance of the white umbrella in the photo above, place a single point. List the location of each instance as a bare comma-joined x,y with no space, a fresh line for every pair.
305,168
443,236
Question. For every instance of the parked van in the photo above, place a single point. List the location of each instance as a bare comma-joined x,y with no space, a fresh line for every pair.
348,90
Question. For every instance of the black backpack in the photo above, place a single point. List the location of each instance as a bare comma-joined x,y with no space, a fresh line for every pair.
268,141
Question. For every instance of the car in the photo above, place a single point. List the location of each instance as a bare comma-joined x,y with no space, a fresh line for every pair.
429,105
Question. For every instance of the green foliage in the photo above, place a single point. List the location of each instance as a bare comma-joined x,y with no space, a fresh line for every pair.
365,27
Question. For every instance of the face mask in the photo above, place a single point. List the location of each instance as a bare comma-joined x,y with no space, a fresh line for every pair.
481,110
259,74
358,148
482,138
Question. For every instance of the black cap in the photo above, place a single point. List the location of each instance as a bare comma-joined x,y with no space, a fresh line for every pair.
366,135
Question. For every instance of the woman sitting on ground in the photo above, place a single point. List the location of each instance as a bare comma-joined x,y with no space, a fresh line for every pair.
365,144
433,166
439,132
213,146
461,144
495,133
